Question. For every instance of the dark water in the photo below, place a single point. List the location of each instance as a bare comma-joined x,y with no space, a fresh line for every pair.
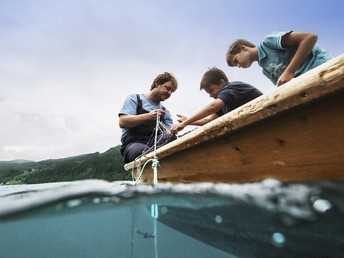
100,219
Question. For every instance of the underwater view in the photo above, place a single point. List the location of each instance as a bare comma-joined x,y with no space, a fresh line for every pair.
95,218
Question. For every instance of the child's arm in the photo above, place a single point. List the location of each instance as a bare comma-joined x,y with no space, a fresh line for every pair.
211,109
199,122
305,42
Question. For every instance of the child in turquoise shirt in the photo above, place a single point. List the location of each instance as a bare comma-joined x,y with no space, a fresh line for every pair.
283,55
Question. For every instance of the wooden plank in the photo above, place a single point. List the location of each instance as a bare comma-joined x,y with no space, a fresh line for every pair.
307,98
307,144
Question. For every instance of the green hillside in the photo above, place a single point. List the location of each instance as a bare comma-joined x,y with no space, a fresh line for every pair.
107,166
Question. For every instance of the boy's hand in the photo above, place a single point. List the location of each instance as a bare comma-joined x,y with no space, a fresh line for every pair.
178,127
285,77
181,118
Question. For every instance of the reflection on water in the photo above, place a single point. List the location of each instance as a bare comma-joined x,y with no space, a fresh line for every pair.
100,219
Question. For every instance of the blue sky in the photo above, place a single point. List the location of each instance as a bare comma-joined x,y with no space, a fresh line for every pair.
66,67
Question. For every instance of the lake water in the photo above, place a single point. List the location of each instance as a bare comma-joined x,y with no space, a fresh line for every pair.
94,218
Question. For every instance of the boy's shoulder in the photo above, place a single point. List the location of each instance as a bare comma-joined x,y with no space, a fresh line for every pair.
239,87
238,84
277,34
273,40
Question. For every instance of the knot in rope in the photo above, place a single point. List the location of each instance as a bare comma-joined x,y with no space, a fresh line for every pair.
155,163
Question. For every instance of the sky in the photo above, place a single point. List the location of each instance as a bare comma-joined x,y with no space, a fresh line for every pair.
66,66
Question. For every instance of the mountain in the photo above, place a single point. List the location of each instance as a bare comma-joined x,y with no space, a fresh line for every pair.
16,161
107,166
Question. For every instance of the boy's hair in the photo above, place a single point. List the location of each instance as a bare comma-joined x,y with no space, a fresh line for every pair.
214,76
235,48
163,78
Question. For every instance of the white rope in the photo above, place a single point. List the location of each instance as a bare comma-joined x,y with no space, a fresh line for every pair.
156,131
162,129
155,215
155,161
154,207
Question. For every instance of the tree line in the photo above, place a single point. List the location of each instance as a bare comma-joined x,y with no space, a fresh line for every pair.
107,166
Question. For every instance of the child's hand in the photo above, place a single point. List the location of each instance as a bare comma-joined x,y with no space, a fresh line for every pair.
178,127
181,118
285,77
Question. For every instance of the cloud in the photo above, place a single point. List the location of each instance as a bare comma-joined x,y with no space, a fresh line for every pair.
67,66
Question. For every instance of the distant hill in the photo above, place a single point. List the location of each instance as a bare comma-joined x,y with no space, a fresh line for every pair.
107,166
16,161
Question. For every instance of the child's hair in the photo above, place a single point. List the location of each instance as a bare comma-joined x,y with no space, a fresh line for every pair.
163,78
235,48
214,76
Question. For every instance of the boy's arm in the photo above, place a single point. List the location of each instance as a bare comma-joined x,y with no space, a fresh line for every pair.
210,109
305,42
199,122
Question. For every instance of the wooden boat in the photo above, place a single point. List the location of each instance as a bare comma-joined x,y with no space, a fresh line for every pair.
293,133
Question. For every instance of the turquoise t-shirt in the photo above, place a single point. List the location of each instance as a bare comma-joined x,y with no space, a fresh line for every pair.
274,58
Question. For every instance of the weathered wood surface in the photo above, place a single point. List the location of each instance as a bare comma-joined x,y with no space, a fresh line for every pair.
294,132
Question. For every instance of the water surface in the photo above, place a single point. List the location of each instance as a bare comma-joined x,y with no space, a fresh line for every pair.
95,218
